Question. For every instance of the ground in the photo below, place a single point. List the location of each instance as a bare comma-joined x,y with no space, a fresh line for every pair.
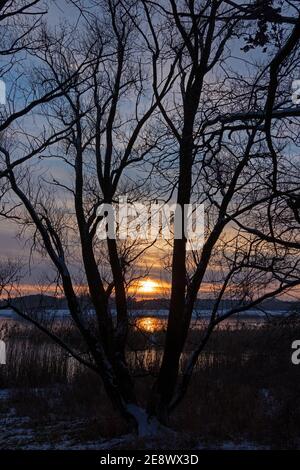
243,395
25,433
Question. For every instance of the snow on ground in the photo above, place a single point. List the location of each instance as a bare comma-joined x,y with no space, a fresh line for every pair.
146,428
25,433
18,433
231,445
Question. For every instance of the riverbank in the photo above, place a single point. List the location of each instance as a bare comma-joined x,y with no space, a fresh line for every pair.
244,391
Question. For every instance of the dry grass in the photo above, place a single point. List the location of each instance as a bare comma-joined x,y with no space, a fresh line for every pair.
244,386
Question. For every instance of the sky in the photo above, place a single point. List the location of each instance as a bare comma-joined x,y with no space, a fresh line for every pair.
15,247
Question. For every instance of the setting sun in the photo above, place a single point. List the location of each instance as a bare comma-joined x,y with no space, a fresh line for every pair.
148,286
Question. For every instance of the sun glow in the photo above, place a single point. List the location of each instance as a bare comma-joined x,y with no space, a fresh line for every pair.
150,324
148,286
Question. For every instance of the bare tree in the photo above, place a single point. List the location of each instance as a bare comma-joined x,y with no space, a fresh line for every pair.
230,150
93,134
155,87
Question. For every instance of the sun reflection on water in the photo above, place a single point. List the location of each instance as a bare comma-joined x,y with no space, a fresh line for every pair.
150,324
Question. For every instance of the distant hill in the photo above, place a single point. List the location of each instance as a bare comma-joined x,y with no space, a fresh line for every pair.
206,304
49,302
38,301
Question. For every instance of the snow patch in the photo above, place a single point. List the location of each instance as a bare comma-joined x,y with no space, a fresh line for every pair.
231,445
146,426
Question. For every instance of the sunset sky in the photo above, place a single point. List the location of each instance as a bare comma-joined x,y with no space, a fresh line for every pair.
155,278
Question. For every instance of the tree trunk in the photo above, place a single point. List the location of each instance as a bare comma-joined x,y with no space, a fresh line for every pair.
164,387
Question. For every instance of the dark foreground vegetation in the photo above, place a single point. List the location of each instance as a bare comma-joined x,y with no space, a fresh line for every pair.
245,387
